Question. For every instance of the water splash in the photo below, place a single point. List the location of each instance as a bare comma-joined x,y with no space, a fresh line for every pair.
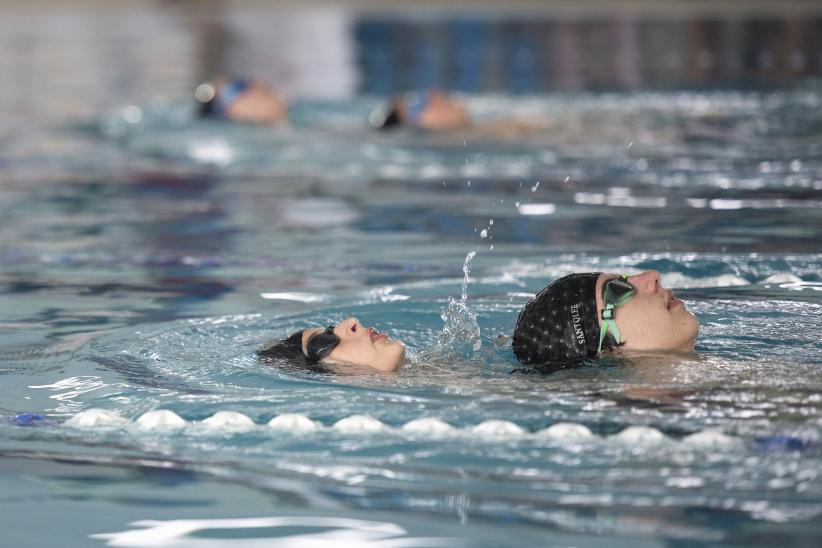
461,325
466,274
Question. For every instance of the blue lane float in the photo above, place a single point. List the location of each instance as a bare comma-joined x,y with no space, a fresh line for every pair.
25,419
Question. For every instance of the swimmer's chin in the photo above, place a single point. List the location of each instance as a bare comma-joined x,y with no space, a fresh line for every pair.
358,369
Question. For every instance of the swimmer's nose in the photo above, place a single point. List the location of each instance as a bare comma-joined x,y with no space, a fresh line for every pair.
647,281
352,327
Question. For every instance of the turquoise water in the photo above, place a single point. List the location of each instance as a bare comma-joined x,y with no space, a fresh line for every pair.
144,264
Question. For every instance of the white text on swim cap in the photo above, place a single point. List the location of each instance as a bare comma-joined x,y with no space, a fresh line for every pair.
578,332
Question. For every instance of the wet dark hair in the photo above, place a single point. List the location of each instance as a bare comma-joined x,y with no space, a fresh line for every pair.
288,352
207,108
390,119
289,349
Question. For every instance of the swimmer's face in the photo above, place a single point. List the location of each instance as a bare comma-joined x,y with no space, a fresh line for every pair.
653,319
441,112
259,103
361,346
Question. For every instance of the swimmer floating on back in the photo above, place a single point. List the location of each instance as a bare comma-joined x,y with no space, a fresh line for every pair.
437,111
429,110
241,100
574,318
580,315
348,343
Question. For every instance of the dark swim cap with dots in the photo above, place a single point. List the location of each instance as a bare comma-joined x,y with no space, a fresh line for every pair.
559,325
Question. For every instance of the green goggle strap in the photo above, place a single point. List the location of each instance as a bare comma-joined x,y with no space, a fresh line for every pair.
608,322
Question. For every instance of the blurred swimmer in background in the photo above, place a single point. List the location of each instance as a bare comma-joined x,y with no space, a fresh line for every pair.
438,111
429,110
241,100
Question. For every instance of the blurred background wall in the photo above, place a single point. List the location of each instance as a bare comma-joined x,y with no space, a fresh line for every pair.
70,61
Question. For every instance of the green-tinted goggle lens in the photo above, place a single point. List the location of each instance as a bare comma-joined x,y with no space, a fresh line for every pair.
617,292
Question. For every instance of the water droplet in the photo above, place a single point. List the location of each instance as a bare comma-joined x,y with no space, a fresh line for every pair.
484,233
535,187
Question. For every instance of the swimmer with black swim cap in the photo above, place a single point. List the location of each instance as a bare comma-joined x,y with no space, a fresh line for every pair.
580,315
347,343
241,100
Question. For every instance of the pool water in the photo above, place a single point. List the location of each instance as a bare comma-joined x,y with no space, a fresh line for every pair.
151,290
146,256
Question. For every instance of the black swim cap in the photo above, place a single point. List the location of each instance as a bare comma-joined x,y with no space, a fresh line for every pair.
559,325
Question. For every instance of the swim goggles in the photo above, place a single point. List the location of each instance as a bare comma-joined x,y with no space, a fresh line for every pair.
415,104
322,344
616,293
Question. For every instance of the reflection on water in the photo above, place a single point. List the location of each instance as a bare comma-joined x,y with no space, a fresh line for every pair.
320,531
